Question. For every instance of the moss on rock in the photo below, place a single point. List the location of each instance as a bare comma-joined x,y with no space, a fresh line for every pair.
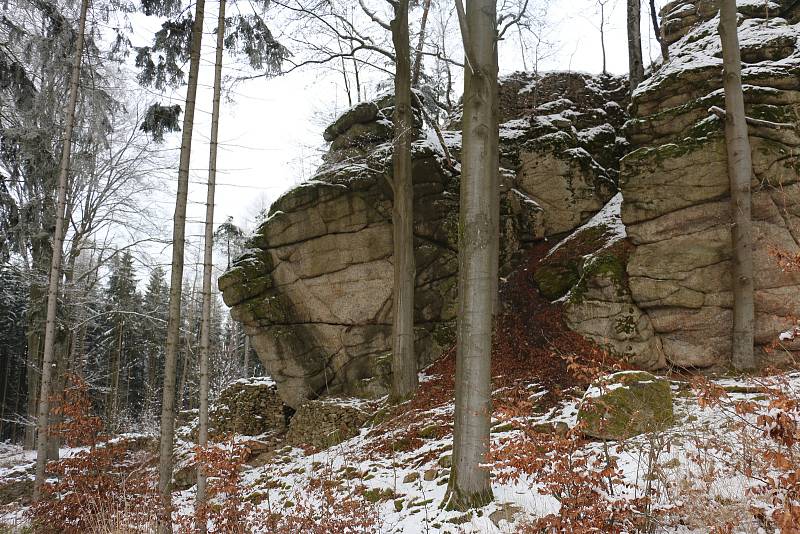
555,280
626,404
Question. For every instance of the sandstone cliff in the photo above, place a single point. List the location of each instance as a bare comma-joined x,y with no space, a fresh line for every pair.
675,182
314,289
651,278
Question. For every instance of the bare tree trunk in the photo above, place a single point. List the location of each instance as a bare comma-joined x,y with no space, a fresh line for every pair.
176,283
740,171
426,7
246,356
635,65
6,359
357,77
603,33
33,375
469,484
657,32
404,360
208,259
522,49
55,263
112,402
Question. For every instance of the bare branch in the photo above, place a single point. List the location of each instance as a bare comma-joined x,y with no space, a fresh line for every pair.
719,112
469,56
515,20
375,18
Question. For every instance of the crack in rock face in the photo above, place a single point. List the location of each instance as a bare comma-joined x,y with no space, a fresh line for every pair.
675,184
314,288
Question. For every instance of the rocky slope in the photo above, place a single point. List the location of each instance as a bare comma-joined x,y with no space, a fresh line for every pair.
314,289
675,182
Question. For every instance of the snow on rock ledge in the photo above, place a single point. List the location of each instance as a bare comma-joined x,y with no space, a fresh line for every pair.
675,183
314,289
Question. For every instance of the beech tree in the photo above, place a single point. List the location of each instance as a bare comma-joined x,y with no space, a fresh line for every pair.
740,173
478,237
404,359
635,64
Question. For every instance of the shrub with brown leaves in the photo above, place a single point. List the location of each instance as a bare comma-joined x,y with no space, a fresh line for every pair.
107,482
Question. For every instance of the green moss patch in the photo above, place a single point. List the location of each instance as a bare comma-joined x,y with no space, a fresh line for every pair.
625,404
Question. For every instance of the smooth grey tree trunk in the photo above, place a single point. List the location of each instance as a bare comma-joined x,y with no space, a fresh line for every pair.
740,172
48,360
469,484
404,360
176,283
208,263
635,65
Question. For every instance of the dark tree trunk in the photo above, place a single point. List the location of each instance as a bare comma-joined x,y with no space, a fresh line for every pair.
635,65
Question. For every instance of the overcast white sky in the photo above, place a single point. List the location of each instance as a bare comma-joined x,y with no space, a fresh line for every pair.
270,130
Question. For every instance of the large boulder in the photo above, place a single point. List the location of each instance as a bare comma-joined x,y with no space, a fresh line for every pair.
675,183
314,288
626,404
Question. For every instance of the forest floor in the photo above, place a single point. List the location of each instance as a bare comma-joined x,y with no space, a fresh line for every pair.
729,464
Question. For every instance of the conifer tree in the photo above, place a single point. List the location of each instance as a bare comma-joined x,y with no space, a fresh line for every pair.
154,328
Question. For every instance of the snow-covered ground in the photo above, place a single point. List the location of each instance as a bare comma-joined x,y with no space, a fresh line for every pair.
690,471
694,472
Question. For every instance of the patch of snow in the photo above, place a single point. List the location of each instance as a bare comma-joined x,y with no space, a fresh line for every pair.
610,217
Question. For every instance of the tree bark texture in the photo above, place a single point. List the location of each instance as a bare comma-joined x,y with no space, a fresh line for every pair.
740,172
635,65
469,484
404,360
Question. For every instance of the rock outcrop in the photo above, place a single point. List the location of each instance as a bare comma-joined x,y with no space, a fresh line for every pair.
626,404
587,271
675,183
314,288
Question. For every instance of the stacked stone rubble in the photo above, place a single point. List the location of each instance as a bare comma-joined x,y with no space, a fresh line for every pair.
248,406
324,423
